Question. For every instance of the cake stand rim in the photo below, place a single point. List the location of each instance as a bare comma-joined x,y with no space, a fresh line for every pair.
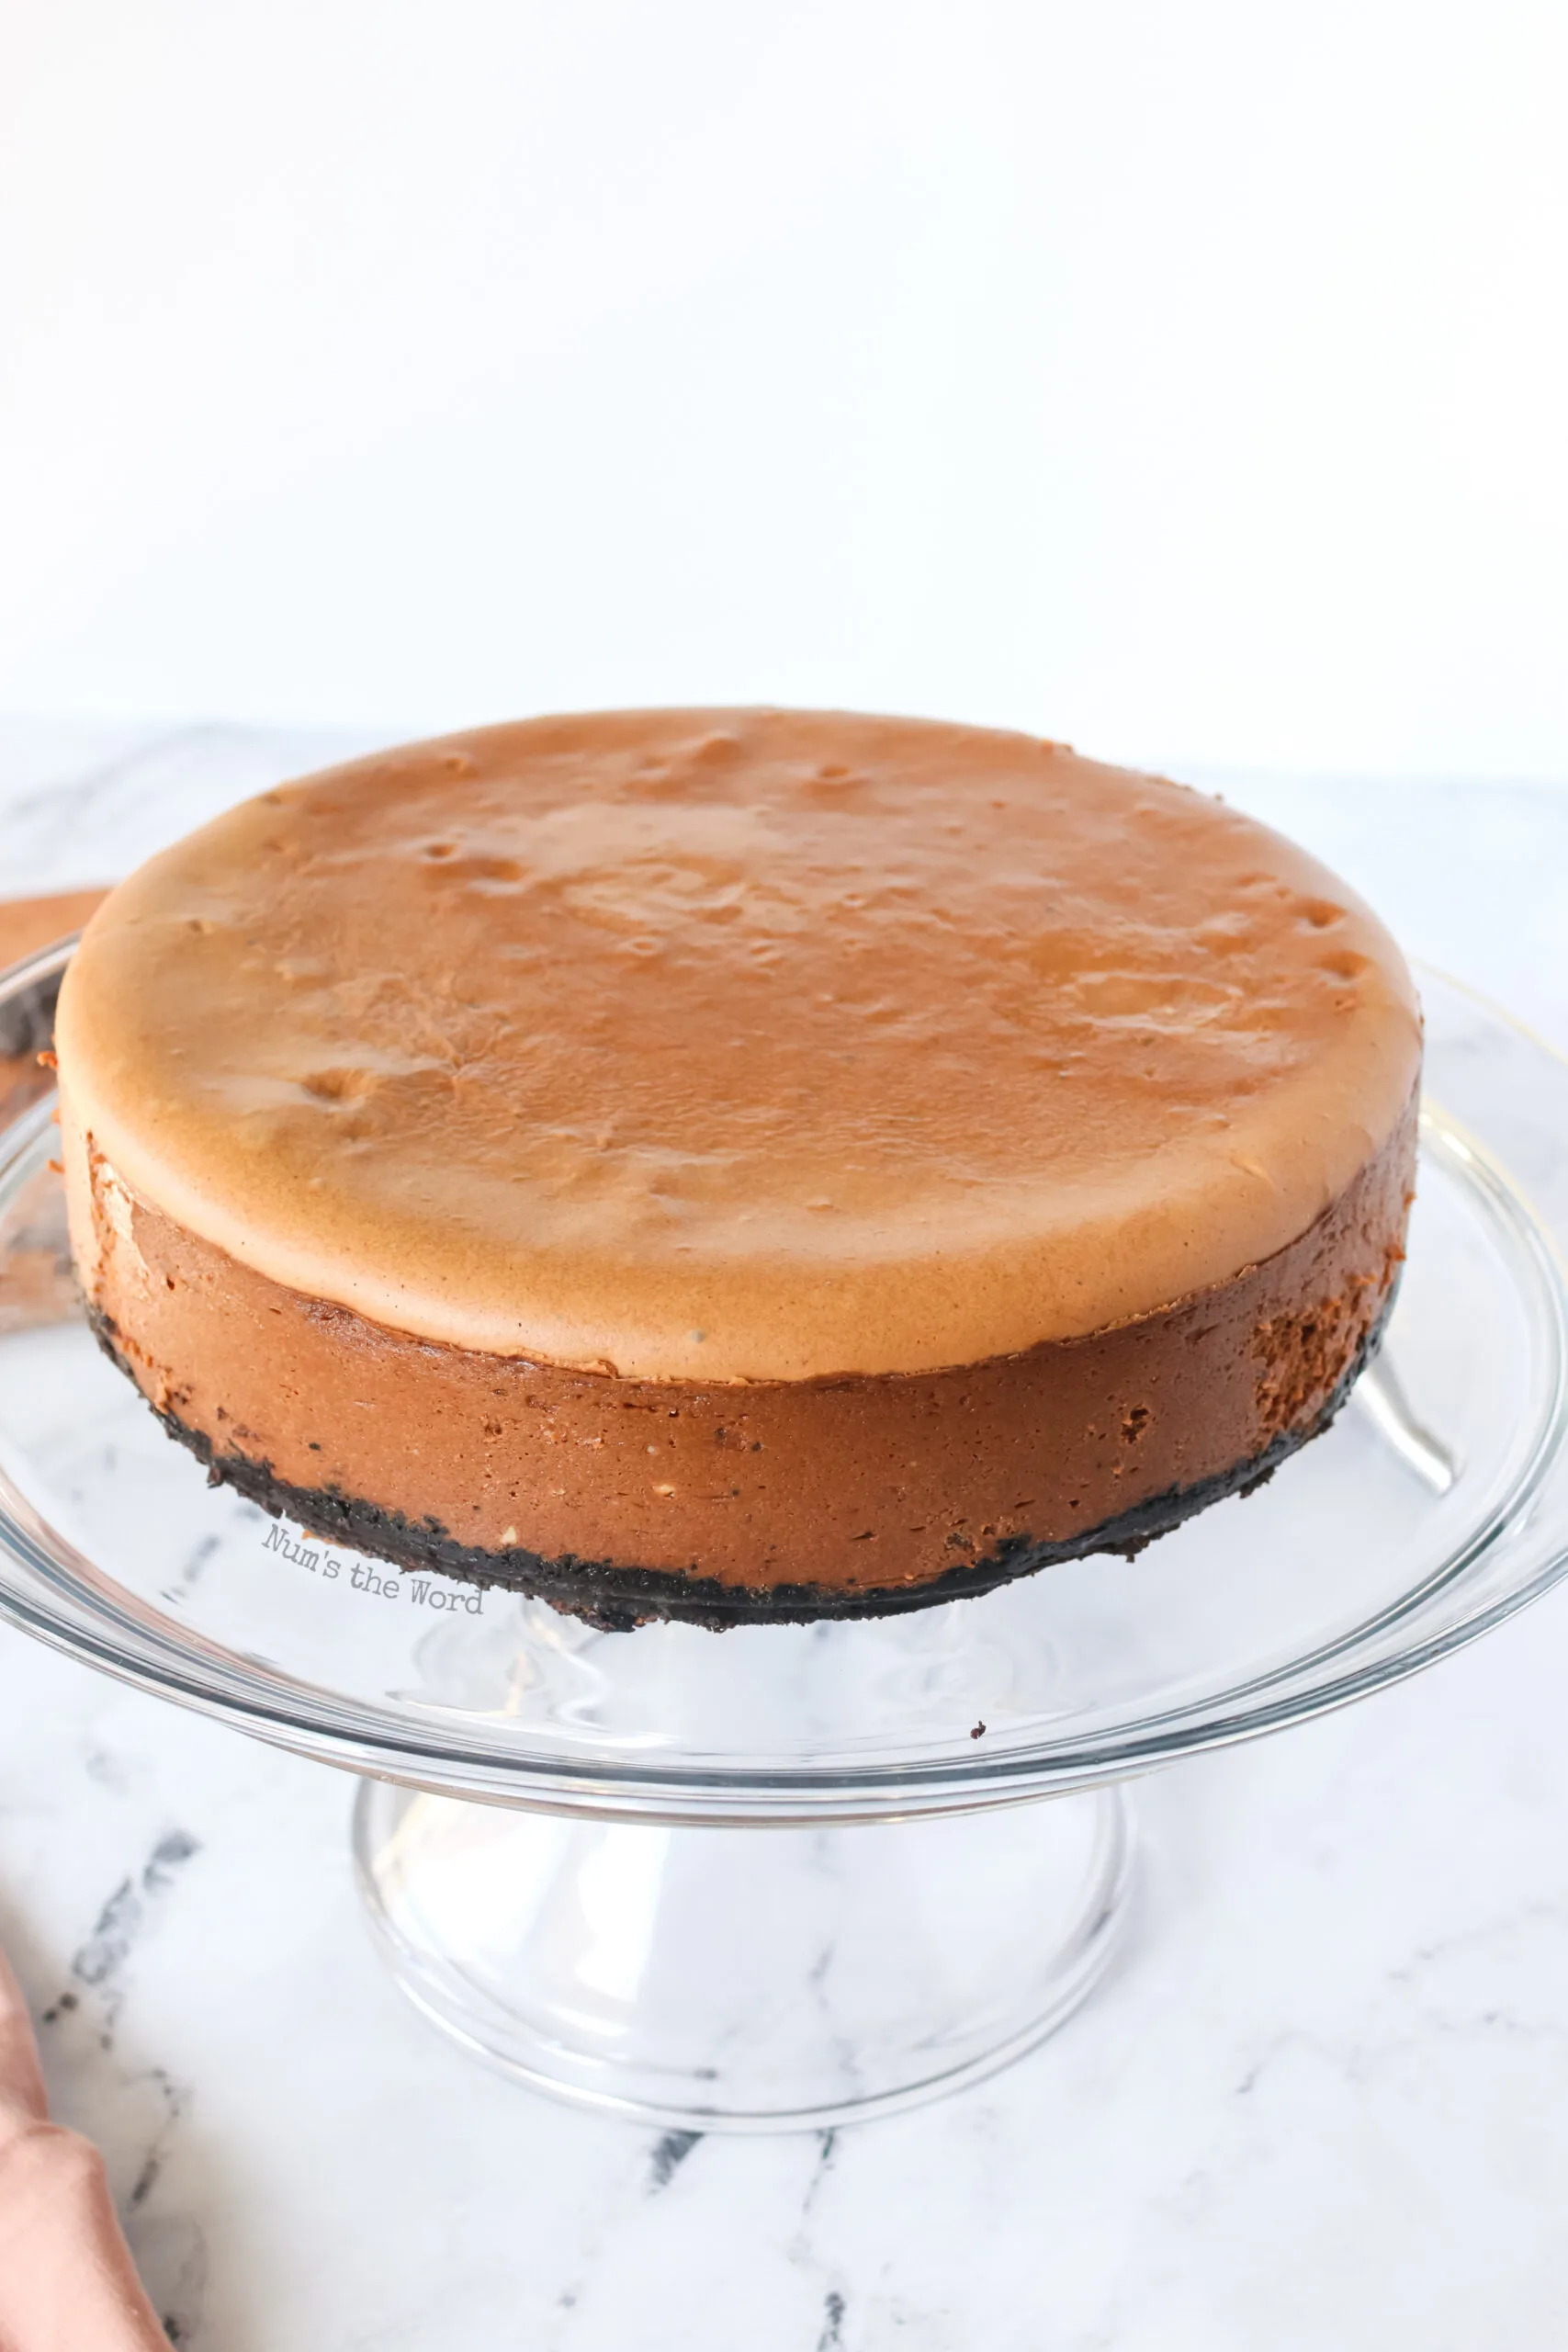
785,1797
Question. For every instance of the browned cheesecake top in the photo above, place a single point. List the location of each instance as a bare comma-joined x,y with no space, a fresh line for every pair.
738,1044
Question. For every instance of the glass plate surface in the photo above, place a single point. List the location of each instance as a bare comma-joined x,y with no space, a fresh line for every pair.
1436,1507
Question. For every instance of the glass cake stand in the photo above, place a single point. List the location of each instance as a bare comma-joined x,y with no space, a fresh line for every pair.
795,1875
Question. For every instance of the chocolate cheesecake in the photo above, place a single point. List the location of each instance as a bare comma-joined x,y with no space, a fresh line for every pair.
737,1164
27,1023
36,1282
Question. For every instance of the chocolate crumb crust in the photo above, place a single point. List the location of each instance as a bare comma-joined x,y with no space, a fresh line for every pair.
617,1598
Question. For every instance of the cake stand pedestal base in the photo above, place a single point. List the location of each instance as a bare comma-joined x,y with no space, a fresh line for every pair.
741,1979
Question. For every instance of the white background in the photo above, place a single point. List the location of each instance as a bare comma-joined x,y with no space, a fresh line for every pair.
1187,380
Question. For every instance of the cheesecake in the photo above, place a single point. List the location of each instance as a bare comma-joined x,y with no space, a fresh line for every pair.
38,1285
27,1021
738,1165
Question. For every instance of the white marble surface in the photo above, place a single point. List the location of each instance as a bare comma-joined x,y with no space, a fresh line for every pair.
1321,2102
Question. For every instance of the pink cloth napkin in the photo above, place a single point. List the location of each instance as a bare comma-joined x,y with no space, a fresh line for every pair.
67,2282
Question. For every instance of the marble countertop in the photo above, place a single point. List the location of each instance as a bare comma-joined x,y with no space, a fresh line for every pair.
1322,2100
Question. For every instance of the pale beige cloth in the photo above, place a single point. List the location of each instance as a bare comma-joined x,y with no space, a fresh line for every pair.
67,2282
